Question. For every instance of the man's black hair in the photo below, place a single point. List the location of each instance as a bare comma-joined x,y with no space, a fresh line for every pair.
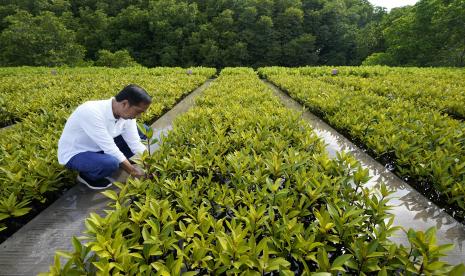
134,94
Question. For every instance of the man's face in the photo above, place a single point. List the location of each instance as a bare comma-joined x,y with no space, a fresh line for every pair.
133,111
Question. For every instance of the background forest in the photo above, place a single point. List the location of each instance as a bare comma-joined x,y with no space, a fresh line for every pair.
222,33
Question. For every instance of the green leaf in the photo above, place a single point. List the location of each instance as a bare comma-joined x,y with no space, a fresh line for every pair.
276,264
136,255
382,272
76,244
64,254
373,267
20,212
111,194
340,261
458,270
376,255
445,247
4,216
176,267
223,242
159,267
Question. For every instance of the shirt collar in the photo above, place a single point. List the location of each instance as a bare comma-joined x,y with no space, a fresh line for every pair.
109,111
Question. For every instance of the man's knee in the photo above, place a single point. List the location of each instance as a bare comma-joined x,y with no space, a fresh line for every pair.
110,163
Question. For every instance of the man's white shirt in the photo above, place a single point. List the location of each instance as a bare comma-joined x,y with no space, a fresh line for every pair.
92,127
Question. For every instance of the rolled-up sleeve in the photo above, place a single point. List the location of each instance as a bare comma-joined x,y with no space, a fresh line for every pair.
93,124
131,136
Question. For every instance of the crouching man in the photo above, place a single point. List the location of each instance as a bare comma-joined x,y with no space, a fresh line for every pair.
100,137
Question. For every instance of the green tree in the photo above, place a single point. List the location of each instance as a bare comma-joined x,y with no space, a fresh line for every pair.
380,59
92,31
398,36
300,51
120,58
231,32
431,33
289,24
368,40
450,18
334,35
246,31
6,10
34,7
132,30
225,27
210,53
38,40
171,23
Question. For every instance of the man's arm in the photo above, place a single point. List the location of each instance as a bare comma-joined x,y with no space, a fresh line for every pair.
132,138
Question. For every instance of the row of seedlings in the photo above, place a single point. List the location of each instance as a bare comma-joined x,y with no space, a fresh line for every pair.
438,73
424,146
243,186
438,88
33,90
445,95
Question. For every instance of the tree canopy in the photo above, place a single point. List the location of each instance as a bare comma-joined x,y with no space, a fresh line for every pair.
222,33
38,40
431,33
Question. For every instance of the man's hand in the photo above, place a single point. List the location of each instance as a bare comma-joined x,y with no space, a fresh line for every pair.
137,172
132,170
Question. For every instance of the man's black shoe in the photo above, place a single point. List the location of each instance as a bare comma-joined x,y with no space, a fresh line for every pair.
98,184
